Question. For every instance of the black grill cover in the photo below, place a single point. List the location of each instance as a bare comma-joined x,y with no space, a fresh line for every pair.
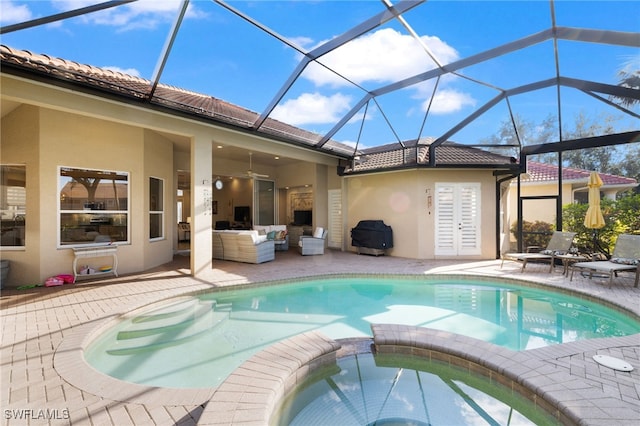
372,234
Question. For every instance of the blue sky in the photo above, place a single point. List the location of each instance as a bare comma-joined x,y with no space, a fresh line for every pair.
221,55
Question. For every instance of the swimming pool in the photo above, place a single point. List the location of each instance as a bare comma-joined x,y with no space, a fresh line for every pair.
197,341
384,389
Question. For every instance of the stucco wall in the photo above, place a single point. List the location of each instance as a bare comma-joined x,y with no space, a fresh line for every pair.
400,199
46,139
158,163
19,145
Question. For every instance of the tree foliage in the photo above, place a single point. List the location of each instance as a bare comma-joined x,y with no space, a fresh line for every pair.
620,216
629,76
622,160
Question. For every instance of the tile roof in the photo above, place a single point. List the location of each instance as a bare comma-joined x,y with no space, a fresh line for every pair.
541,172
416,153
136,88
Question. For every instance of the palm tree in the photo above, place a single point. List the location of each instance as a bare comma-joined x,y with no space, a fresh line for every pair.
629,76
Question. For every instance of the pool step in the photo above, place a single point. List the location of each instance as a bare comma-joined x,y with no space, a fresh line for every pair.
171,330
162,324
169,311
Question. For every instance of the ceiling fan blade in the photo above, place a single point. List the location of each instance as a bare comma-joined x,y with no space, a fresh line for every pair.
250,171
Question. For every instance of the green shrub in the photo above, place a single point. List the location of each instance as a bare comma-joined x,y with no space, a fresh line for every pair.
628,213
536,233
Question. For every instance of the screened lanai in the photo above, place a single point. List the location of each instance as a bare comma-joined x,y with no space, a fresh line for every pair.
361,87
344,76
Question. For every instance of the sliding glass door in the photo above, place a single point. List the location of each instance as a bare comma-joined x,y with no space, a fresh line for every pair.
264,203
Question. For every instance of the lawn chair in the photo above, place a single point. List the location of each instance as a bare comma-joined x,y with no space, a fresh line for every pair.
626,257
559,244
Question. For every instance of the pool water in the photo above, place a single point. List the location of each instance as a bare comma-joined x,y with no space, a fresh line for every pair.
384,389
197,342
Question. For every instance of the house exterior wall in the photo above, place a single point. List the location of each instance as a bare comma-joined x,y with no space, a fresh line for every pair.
20,131
45,139
400,199
55,126
157,158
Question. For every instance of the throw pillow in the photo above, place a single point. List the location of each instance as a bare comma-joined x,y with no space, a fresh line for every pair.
553,252
318,233
271,235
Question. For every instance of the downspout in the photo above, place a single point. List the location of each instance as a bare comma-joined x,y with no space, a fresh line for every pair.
498,202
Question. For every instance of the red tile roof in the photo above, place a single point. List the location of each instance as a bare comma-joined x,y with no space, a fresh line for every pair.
541,172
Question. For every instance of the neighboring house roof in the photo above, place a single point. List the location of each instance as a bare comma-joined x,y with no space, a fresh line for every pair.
391,156
416,153
138,89
545,173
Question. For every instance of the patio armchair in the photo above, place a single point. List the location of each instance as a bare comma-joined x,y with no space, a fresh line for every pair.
625,257
312,245
559,244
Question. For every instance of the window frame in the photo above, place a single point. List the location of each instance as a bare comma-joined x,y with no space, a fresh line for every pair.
161,212
60,211
22,213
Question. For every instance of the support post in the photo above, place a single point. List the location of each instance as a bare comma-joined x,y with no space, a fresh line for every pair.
201,205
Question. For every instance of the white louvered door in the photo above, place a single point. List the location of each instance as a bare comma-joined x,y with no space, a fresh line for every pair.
334,234
457,219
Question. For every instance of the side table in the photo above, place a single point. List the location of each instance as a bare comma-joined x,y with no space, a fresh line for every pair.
568,260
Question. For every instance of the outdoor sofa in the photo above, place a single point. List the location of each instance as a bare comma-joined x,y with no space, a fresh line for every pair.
242,246
277,233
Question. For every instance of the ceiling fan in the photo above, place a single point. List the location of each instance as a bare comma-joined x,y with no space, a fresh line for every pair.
250,172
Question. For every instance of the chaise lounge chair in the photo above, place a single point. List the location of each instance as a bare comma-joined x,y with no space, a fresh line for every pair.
560,243
626,257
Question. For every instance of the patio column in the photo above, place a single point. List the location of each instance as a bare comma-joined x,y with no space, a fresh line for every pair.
201,203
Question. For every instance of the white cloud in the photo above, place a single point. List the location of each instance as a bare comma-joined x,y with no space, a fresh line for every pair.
447,101
12,13
383,56
142,14
312,108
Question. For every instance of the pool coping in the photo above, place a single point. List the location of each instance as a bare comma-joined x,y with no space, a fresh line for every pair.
252,393
69,361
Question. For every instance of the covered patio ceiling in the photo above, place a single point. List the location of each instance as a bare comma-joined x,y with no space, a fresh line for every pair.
356,75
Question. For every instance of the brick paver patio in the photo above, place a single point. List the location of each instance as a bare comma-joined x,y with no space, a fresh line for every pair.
38,388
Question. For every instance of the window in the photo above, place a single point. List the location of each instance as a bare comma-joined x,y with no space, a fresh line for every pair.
13,202
94,206
156,208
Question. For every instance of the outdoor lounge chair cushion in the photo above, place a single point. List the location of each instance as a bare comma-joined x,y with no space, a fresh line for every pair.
625,261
